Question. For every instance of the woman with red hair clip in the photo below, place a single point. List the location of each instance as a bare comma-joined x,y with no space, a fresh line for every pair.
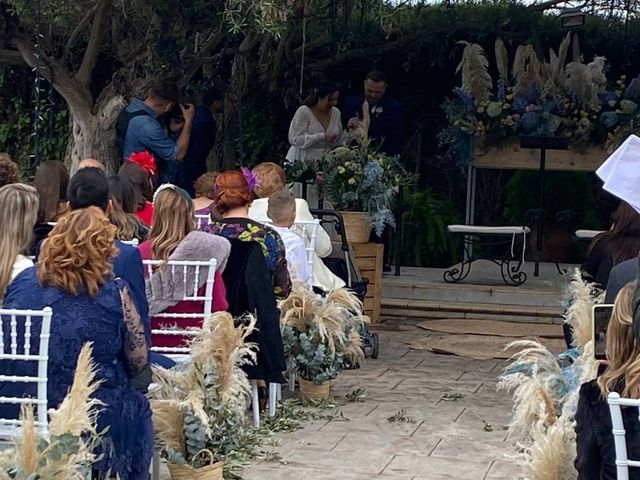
140,169
233,197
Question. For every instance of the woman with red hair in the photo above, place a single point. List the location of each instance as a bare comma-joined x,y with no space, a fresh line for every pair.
233,198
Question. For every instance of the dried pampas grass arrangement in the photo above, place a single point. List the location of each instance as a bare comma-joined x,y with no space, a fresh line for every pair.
66,453
476,80
527,69
580,297
502,59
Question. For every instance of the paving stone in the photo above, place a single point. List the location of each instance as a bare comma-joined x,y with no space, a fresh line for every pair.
433,468
504,471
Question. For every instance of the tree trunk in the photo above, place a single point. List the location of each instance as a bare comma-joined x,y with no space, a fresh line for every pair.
93,134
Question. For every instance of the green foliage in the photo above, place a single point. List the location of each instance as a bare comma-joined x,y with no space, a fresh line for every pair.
424,230
313,362
568,190
16,122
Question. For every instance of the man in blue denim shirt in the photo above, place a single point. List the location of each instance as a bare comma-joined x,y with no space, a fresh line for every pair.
145,132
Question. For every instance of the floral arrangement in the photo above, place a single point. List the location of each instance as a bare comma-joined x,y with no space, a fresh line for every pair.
319,333
360,180
66,454
202,406
553,97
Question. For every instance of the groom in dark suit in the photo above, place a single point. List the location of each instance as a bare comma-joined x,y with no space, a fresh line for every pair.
386,127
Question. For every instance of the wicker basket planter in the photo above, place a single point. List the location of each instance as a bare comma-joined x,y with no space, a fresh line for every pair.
213,471
312,391
357,226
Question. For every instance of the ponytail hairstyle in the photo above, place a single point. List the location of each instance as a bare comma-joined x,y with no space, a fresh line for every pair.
320,90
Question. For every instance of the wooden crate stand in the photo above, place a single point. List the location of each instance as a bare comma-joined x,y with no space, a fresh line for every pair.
369,257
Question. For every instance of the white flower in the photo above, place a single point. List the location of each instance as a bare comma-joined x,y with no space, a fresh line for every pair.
341,169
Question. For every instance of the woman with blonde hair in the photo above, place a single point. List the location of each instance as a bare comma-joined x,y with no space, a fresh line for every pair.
18,215
74,277
173,236
270,178
594,439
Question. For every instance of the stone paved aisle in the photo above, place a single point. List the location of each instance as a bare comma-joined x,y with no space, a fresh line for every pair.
462,439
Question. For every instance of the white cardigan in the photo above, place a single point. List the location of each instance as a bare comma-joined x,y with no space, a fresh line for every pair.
322,276
306,134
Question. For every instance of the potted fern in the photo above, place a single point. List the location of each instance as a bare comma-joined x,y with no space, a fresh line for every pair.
199,410
319,333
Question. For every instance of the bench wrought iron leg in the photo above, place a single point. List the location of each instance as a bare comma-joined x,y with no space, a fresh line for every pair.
511,274
460,271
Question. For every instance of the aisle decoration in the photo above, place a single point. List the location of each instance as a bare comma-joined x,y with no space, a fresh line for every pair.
537,97
319,334
199,409
67,452
545,389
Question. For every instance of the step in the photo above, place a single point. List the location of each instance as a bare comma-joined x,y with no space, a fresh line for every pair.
427,309
396,314
442,293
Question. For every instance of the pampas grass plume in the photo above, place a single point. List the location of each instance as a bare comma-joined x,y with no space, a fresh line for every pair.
476,80
27,455
502,59
579,313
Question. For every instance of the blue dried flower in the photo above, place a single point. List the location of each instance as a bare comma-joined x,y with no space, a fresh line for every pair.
468,101
533,95
520,104
609,119
502,90
373,171
530,121
607,98
632,91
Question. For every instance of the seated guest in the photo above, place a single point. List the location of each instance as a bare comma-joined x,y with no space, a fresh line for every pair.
74,277
205,193
140,170
90,162
18,214
619,276
594,440
233,198
51,182
271,178
614,246
282,212
9,171
122,208
173,237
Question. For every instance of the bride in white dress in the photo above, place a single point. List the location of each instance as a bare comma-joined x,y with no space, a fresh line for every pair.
316,127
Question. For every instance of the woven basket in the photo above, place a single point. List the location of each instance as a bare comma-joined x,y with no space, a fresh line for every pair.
187,472
312,391
356,226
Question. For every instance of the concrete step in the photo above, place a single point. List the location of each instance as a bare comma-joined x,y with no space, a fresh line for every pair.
392,307
441,292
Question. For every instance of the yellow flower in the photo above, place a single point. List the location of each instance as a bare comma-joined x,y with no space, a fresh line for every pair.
510,96
506,106
352,181
480,109
341,169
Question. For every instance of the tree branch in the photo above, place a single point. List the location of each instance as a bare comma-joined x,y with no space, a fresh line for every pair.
203,55
11,57
76,95
96,36
82,24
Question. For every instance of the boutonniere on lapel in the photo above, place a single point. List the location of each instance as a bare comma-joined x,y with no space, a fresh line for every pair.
377,110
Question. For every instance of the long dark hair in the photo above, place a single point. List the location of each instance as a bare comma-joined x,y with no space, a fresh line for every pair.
623,240
51,181
320,90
